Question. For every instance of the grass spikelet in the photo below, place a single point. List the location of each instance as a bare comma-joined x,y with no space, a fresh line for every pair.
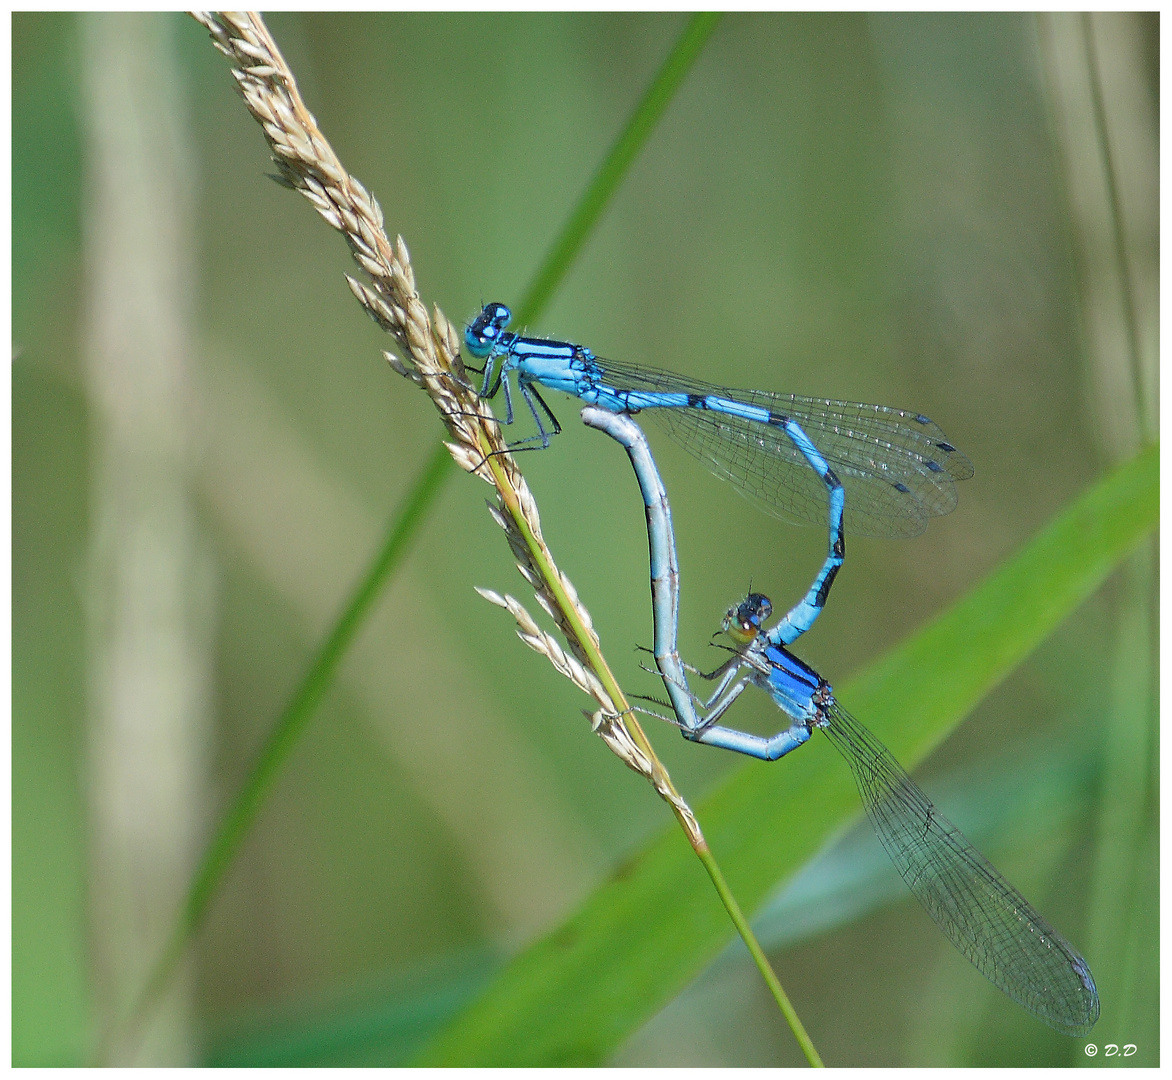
430,358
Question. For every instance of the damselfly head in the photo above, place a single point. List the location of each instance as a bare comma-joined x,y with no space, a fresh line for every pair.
743,622
482,333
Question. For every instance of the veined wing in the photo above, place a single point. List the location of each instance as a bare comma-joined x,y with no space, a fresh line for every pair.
984,916
897,468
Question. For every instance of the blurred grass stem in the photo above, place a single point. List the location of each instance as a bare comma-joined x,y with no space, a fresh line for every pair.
1106,129
148,579
284,735
1129,317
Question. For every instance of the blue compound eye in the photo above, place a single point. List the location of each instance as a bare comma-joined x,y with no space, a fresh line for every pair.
754,610
484,330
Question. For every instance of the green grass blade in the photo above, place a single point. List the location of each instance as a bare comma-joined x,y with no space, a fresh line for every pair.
1033,798
1003,806
368,1025
1127,801
574,996
615,165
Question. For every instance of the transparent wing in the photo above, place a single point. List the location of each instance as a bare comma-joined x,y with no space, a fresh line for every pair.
897,467
984,916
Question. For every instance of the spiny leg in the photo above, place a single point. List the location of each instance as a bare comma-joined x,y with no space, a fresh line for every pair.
717,705
724,676
533,399
503,381
493,374
544,435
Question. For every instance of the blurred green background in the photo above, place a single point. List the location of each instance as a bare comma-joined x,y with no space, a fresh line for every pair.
874,208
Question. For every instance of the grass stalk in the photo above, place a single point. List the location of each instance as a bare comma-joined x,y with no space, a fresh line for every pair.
760,959
307,164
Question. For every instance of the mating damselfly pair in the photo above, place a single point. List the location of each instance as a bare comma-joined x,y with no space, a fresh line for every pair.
870,469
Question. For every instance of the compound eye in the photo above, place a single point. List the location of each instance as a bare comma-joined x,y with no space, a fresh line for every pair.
482,332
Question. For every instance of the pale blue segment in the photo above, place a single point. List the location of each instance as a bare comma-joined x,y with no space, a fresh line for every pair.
897,469
755,745
983,915
664,565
